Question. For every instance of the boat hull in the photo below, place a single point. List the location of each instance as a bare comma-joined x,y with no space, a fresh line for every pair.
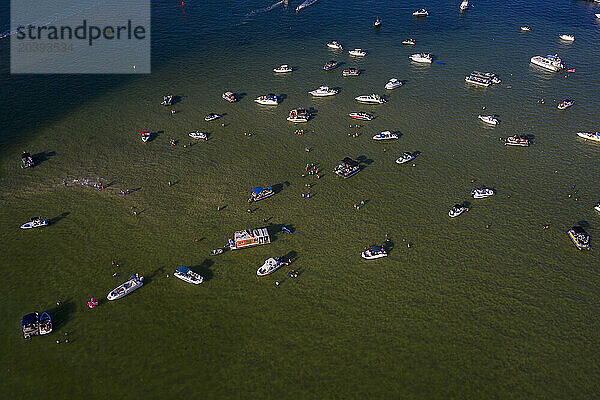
373,257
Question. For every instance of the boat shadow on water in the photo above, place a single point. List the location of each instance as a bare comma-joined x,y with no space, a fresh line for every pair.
364,161
61,313
54,220
149,277
584,224
278,187
204,269
43,156
388,246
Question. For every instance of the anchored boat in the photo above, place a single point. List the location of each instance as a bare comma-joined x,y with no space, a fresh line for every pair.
135,282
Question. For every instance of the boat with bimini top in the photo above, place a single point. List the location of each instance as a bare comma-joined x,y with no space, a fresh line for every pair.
260,193
249,237
323,91
187,275
595,136
282,69
423,58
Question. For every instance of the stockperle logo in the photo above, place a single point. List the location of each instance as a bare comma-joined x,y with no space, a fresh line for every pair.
80,36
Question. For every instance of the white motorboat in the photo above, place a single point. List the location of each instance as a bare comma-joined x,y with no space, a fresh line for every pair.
482,193
229,96
464,5
420,13
597,206
45,324
550,62
187,275
370,99
374,252
409,42
335,45
393,84
35,222
386,135
323,91
567,38
145,135
357,53
421,58
271,265
565,104
456,210
525,28
198,135
351,72
406,157
298,115
377,23
361,115
589,136
282,69
489,119
134,282
212,117
482,78
267,100
598,15
517,141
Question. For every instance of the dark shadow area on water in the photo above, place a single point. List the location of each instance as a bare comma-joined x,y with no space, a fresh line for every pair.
54,220
61,313
39,158
204,269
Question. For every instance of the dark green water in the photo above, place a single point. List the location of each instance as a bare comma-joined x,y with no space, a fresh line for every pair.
510,311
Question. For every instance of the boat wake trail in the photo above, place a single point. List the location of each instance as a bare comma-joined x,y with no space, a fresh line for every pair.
305,4
265,9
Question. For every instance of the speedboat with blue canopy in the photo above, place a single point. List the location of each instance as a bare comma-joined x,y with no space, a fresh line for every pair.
189,276
261,193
